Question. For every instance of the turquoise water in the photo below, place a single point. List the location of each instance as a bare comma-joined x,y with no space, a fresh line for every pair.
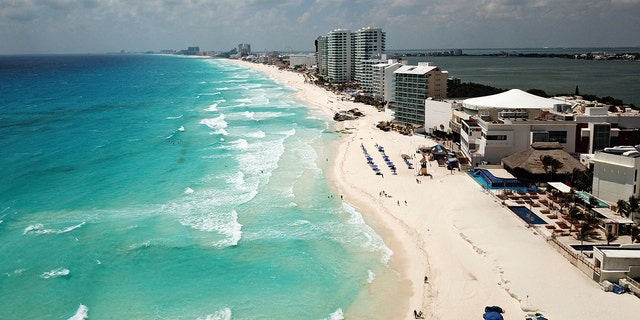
151,187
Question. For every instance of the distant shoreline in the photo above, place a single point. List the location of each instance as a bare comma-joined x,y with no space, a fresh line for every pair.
627,56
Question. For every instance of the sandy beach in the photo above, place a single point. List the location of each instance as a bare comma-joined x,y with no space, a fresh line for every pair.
474,251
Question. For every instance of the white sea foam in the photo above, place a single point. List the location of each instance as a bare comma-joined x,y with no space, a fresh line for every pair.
223,314
218,124
237,179
39,229
174,118
374,242
16,272
249,115
337,315
255,134
81,314
188,190
142,245
224,224
60,272
240,144
370,276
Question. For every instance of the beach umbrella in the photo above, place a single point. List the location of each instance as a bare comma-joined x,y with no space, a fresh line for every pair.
369,158
405,156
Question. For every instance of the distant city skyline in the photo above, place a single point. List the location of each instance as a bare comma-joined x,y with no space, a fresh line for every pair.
93,26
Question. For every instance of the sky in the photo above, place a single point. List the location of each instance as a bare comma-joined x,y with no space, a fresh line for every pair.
97,26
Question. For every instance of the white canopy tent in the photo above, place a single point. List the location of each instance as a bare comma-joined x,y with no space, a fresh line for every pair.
512,99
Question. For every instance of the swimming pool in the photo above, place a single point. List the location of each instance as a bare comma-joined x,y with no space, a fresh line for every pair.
527,215
489,181
585,197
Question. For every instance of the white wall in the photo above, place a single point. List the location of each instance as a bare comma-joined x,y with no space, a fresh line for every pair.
437,114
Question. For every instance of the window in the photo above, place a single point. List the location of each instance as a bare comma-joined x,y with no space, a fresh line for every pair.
496,137
558,136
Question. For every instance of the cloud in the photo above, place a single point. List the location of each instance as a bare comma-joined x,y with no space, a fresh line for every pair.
95,25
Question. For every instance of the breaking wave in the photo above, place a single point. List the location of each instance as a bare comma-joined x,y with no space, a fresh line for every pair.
55,273
81,314
39,229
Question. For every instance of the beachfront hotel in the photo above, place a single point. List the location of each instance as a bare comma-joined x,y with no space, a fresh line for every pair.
413,85
370,45
496,126
321,55
340,57
341,54
382,79
615,173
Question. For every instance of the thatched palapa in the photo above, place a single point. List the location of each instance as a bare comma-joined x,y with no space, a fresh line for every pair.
529,162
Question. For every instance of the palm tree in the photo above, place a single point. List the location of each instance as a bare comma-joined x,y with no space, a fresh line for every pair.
555,166
550,165
589,229
611,236
623,208
574,214
635,233
634,206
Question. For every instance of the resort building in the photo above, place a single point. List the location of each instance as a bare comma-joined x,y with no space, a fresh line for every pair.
369,45
305,60
502,124
344,56
382,79
618,263
244,49
321,55
340,57
413,85
598,128
615,173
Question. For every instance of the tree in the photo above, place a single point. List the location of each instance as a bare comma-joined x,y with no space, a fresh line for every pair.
635,233
574,214
588,230
577,91
611,237
623,208
634,206
550,165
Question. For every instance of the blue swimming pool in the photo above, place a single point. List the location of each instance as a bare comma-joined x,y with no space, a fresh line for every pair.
489,181
585,197
527,215
589,247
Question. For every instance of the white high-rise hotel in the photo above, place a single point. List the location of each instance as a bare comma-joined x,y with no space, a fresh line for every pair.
343,58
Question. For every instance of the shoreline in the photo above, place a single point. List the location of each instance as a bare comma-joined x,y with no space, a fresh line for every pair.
474,250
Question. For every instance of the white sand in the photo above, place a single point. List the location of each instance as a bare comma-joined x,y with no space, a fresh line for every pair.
474,251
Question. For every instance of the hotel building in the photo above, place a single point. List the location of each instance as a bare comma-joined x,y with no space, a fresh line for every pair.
382,79
340,57
321,55
615,173
413,85
344,56
369,46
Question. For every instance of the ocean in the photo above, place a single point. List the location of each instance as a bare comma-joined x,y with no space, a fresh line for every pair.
615,78
156,187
